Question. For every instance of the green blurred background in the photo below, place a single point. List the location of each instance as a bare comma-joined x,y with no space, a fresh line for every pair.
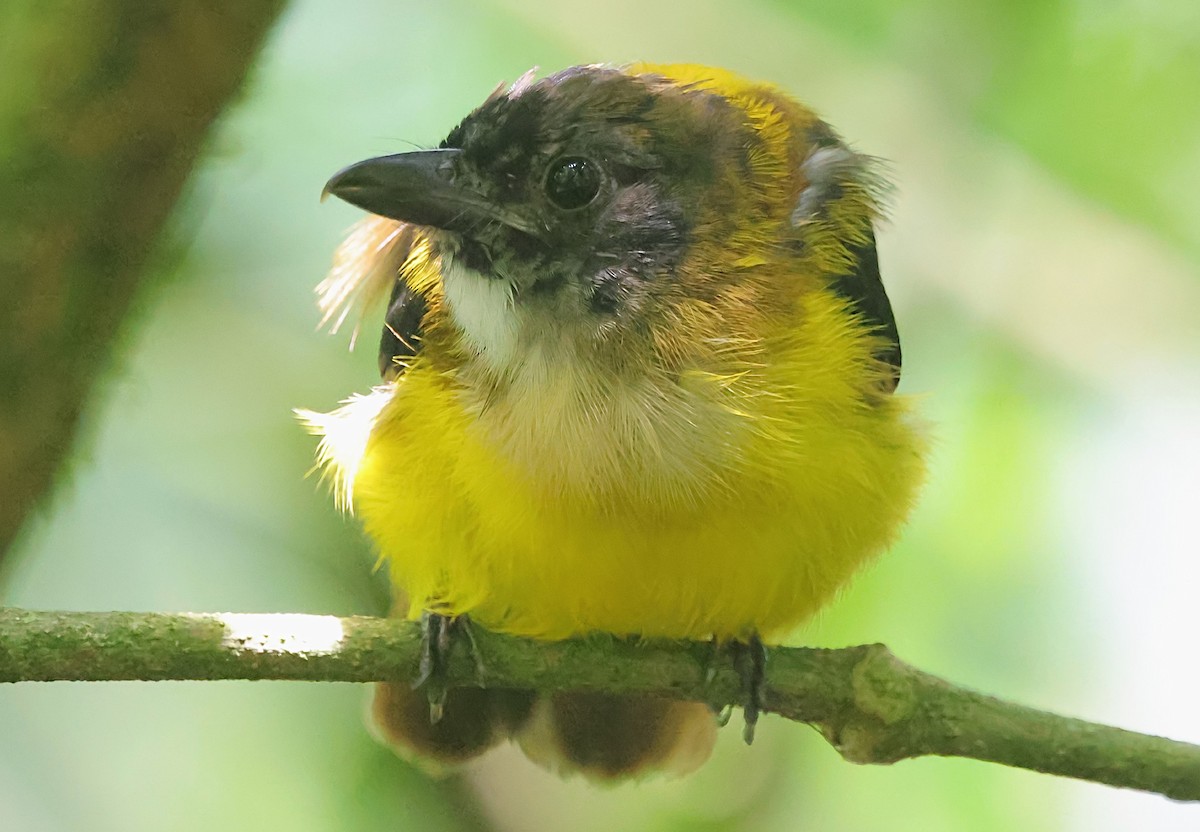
1044,259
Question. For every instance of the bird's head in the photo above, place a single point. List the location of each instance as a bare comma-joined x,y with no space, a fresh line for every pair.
599,207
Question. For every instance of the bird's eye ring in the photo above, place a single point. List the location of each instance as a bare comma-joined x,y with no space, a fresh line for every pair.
573,182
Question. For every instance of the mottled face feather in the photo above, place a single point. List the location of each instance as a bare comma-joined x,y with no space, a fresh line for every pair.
539,152
613,204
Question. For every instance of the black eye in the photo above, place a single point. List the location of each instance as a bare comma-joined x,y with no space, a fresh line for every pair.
573,182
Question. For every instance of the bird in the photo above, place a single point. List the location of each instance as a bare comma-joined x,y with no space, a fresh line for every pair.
639,380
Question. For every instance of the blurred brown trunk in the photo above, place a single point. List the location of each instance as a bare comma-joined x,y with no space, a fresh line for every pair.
104,108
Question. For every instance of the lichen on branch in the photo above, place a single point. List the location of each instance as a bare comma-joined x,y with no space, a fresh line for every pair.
868,704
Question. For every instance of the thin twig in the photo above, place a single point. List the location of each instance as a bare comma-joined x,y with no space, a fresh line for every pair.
871,706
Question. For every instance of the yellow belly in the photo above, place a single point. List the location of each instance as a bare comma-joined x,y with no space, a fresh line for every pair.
816,486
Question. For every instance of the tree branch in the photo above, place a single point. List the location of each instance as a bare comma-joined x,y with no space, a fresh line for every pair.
872,707
104,109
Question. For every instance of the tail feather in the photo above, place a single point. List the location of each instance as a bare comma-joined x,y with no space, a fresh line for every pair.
473,721
601,736
608,737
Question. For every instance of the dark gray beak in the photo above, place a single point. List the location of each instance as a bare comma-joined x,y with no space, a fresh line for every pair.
416,187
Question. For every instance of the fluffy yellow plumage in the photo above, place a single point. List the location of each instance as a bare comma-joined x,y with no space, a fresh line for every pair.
639,364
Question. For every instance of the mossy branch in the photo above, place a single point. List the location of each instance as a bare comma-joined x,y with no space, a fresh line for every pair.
872,707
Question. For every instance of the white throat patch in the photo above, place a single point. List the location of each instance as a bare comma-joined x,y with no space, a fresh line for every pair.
483,309
576,427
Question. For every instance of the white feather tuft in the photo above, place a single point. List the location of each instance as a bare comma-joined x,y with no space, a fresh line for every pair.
365,268
483,309
344,433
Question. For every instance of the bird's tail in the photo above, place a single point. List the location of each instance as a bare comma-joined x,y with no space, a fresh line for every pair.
599,735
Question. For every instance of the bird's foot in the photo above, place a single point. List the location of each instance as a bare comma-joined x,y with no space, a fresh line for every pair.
439,634
750,662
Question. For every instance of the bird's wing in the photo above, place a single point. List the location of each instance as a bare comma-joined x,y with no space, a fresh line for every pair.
835,176
863,287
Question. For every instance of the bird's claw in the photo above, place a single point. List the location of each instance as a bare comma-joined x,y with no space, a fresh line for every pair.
439,633
749,661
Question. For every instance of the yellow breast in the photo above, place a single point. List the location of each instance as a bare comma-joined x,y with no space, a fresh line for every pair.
710,450
714,503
